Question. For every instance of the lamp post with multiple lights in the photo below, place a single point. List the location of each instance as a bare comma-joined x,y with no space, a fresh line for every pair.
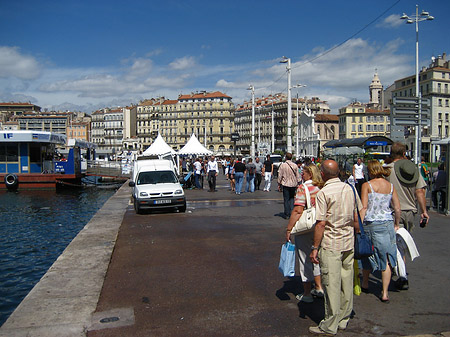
252,148
289,103
423,16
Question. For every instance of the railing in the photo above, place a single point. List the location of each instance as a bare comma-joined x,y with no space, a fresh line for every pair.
108,169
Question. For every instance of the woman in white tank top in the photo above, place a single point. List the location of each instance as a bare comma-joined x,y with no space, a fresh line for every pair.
379,197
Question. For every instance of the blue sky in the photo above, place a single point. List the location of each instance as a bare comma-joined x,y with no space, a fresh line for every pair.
87,54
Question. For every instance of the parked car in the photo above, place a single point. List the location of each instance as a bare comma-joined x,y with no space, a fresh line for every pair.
155,185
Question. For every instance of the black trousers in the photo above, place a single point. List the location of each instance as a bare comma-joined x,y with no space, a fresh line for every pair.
212,180
258,178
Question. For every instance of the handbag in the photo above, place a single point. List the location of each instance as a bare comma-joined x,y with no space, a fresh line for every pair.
287,260
363,244
308,218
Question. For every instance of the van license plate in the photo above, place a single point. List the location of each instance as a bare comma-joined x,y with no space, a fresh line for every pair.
162,201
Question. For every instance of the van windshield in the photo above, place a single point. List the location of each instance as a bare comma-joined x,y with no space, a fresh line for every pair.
156,177
275,159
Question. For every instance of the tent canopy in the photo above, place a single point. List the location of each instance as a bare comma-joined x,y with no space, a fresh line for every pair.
159,147
193,147
363,142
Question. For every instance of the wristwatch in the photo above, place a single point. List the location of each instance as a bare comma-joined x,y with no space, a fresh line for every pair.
314,248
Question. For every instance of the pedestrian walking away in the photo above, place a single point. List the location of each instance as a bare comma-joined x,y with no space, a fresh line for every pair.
379,197
288,179
333,247
250,170
238,172
410,187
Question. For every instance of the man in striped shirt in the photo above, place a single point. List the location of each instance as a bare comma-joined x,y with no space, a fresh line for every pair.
333,247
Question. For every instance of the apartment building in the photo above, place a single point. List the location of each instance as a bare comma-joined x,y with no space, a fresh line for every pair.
98,129
56,122
357,120
434,83
209,115
79,130
7,110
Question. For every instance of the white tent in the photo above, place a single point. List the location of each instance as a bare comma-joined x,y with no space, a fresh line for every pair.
159,147
193,147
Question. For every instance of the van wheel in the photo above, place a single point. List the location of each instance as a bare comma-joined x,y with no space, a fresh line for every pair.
137,209
182,208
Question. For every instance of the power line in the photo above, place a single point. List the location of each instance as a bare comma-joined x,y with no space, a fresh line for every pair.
346,40
337,46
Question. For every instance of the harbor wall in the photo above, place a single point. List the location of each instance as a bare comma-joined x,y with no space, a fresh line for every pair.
62,302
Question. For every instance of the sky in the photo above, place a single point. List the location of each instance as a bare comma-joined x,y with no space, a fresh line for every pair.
89,54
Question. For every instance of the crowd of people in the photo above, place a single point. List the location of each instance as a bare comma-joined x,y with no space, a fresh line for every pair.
386,201
243,176
390,200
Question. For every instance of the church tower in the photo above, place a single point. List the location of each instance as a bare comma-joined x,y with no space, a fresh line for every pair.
375,90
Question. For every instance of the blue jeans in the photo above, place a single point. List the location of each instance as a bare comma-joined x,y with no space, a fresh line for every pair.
197,180
239,179
250,183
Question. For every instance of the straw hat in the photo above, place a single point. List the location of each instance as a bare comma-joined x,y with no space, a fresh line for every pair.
406,171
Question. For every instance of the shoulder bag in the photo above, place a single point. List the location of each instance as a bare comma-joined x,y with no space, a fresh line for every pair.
308,218
363,244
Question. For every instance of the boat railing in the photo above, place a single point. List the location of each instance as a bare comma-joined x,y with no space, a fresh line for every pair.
104,168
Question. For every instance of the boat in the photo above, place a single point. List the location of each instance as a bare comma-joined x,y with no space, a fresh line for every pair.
30,160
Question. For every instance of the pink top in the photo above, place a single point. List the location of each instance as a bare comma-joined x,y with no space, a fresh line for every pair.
300,197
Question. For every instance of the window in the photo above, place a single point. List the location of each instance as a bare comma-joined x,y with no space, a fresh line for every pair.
440,102
360,128
353,127
368,127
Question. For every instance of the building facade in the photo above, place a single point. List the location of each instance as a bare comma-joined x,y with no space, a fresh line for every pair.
271,124
44,121
7,110
434,85
358,119
210,115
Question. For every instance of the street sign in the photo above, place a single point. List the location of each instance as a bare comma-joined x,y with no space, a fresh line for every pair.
405,111
235,137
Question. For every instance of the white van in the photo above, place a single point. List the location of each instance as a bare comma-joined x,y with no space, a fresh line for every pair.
155,185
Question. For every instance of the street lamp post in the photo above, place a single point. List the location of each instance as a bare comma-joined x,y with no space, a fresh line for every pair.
252,149
297,120
410,20
289,107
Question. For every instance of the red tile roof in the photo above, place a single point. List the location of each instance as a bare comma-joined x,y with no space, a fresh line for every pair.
215,94
326,118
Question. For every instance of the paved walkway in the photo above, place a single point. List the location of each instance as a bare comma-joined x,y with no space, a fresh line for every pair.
212,271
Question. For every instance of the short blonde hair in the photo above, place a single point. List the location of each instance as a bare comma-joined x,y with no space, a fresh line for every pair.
316,177
376,170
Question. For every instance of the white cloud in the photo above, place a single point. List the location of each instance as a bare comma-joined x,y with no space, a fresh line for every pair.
15,64
340,76
183,63
392,21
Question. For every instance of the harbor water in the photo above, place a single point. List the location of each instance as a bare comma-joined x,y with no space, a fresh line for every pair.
35,228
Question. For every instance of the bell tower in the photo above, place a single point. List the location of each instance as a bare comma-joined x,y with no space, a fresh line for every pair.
375,90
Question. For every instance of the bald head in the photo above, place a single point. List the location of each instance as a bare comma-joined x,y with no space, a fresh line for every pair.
330,169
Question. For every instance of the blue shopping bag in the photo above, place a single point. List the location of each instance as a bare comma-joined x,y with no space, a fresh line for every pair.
287,259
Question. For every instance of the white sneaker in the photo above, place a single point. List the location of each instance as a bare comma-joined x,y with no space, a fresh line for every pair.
303,298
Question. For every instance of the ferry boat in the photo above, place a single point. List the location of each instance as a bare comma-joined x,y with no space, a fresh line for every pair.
29,160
